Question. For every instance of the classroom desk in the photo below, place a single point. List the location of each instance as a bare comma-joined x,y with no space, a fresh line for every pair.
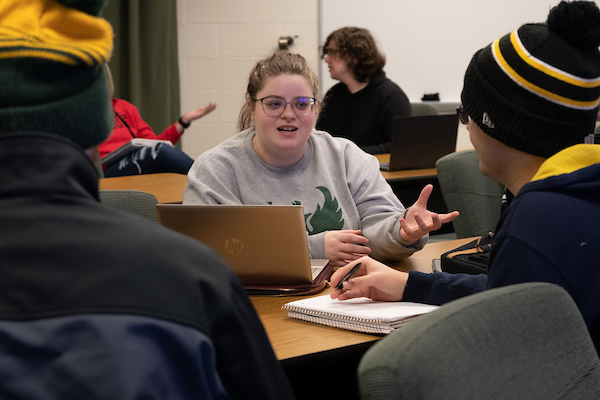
392,176
312,353
293,338
166,187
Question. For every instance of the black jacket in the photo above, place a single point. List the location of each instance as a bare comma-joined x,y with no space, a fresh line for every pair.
365,117
97,304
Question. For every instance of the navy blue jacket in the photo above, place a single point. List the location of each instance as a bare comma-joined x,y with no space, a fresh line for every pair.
99,304
549,233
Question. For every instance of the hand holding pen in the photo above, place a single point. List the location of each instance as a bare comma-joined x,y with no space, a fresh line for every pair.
349,275
369,278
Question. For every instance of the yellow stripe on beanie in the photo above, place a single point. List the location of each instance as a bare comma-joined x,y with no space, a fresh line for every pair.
550,96
549,69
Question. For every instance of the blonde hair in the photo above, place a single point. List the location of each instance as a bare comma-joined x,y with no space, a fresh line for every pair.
270,67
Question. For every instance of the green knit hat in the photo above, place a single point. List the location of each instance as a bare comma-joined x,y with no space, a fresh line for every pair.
537,89
52,73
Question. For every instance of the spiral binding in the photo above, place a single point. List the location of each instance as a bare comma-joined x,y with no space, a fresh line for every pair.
344,321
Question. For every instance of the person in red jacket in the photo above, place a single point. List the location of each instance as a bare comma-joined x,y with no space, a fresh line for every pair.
160,158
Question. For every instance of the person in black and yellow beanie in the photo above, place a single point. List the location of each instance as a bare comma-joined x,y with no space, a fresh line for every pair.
530,101
95,303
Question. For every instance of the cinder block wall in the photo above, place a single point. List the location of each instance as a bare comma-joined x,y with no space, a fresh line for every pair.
219,42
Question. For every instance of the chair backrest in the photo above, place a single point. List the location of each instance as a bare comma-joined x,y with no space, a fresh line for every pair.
516,342
477,197
135,202
423,109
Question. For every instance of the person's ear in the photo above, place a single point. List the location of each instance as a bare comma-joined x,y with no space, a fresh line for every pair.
93,153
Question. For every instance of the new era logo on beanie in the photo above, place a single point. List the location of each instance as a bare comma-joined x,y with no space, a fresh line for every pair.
537,89
52,56
487,121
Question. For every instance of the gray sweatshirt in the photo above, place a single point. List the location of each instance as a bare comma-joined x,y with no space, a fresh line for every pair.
338,185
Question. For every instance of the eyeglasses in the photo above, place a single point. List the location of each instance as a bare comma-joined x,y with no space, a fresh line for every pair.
462,115
329,52
275,105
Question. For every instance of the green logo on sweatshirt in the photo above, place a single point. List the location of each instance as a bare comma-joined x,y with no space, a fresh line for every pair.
326,218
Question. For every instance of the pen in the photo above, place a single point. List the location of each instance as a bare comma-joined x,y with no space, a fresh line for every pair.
340,285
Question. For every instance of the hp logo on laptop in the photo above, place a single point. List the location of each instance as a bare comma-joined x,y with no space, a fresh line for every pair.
234,246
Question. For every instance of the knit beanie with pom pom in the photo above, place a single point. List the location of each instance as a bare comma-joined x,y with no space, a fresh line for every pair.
537,89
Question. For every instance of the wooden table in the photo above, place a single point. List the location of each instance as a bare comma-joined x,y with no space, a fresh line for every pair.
166,187
294,338
391,176
316,358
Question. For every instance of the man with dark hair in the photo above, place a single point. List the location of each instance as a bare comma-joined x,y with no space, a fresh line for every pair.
96,303
363,105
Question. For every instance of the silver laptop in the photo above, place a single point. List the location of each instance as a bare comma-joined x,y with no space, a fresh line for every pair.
265,245
418,142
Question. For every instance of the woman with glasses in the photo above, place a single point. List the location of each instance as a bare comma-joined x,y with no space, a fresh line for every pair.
363,105
279,158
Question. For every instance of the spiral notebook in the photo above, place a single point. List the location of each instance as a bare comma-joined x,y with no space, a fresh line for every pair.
361,314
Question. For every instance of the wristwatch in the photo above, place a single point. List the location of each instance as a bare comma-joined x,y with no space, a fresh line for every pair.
185,126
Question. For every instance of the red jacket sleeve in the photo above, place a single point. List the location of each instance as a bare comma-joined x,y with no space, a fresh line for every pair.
129,124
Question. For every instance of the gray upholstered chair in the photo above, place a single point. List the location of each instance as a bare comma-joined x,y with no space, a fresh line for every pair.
135,202
477,197
525,341
423,109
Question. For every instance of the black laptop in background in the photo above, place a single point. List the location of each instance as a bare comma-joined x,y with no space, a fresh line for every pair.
418,142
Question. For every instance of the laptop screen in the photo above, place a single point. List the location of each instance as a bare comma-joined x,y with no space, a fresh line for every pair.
418,142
